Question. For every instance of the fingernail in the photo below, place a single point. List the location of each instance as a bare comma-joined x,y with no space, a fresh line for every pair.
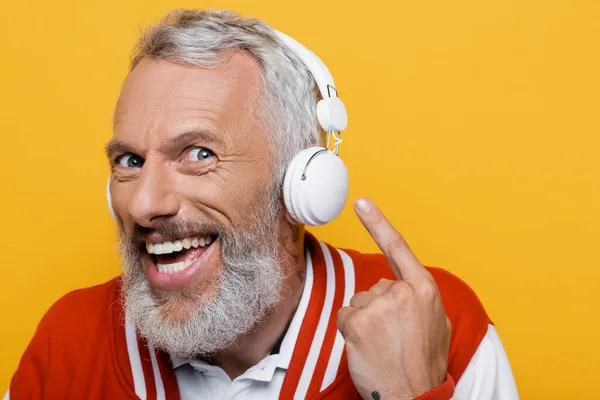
363,205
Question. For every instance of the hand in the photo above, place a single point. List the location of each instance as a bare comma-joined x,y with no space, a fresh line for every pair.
397,334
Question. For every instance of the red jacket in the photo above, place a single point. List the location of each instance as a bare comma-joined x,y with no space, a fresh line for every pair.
83,349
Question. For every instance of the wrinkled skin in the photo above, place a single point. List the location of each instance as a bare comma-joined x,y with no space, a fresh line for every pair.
166,117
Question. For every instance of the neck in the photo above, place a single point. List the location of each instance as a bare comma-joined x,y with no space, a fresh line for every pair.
259,343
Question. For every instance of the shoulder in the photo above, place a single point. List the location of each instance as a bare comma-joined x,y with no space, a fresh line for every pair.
470,321
79,321
80,310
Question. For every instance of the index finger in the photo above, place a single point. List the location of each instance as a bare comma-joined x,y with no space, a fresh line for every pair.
402,260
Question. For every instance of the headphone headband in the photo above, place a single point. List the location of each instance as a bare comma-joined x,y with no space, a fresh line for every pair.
330,111
317,68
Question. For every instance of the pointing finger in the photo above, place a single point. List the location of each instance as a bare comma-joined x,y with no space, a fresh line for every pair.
402,260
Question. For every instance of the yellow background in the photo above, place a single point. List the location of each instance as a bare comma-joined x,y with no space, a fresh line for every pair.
474,124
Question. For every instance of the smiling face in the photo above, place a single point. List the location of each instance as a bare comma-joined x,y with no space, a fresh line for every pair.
197,208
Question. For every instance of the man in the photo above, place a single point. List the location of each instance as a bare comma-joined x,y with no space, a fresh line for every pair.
223,293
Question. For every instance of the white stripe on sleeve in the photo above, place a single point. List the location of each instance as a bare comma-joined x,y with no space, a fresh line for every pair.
488,375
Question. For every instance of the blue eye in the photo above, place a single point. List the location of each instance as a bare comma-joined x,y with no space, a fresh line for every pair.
130,160
199,154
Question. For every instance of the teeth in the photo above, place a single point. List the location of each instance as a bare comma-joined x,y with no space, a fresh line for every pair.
175,267
171,268
167,247
178,245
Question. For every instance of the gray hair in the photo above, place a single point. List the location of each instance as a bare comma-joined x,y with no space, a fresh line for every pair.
207,38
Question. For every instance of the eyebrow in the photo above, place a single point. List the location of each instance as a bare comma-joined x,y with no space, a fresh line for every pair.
116,146
194,136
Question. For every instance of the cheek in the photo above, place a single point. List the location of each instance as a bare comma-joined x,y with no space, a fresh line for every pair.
232,192
119,197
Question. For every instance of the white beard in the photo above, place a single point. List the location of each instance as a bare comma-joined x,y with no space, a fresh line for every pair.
246,290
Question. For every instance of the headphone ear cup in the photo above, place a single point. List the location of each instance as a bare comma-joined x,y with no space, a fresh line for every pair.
109,201
321,195
287,186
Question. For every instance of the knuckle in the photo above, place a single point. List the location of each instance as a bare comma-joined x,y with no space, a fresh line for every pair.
426,289
380,287
374,225
400,289
343,317
382,282
396,244
359,299
340,325
375,289
358,325
341,314
379,305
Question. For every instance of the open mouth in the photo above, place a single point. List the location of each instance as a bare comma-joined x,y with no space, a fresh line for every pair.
172,257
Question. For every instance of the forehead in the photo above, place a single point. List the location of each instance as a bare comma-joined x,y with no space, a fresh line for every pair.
162,97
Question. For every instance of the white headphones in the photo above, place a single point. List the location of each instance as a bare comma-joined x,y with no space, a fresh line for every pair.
315,186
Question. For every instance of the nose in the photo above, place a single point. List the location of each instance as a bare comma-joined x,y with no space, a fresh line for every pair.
153,198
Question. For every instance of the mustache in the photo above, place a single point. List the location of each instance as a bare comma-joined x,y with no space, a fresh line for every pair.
172,230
